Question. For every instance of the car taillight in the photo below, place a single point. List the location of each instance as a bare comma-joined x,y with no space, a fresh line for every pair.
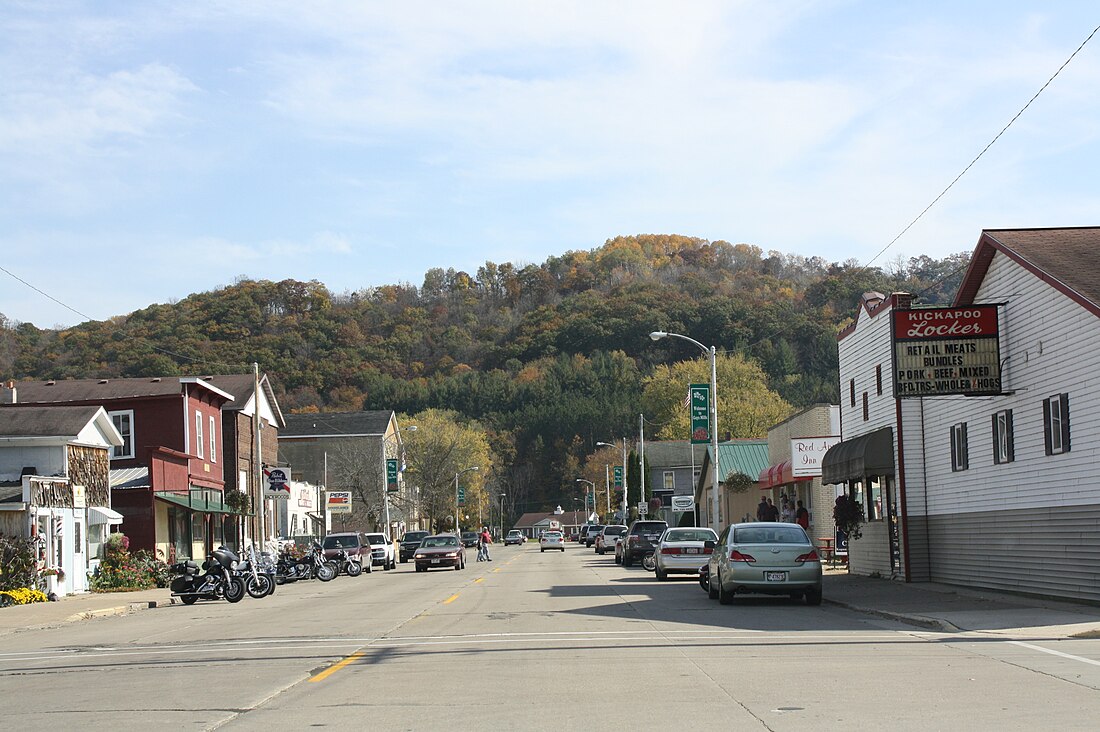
670,550
708,550
736,556
810,556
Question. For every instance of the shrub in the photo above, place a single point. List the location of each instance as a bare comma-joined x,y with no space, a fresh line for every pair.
119,571
21,596
17,563
848,515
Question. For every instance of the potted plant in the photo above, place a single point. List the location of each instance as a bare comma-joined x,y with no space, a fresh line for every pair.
848,517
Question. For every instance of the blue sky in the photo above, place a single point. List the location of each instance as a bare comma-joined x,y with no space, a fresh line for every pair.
149,150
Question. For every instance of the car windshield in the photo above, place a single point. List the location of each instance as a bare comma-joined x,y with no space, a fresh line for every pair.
347,541
552,534
414,536
514,533
376,539
649,527
690,535
770,535
469,535
614,531
439,541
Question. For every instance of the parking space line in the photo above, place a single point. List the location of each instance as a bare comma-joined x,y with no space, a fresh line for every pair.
336,667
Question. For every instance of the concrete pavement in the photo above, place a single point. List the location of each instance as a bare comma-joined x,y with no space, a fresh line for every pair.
929,605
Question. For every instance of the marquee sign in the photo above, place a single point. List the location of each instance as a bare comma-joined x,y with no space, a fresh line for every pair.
941,351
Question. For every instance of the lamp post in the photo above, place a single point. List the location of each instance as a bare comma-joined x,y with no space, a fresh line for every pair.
712,354
386,488
501,534
588,482
464,470
608,444
607,476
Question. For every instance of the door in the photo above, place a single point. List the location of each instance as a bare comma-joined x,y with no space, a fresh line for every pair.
79,574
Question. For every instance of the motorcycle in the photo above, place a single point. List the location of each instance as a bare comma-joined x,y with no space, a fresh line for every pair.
218,581
318,566
258,576
290,568
347,564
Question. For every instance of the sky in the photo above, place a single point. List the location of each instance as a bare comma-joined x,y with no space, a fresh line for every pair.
150,150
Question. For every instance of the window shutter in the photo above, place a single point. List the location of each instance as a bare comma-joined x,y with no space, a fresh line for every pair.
996,442
965,449
1008,436
1046,426
1064,399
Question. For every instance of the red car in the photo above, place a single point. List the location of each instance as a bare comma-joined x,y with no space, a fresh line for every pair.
440,551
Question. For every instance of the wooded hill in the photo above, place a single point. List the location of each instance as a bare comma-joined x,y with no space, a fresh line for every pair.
549,358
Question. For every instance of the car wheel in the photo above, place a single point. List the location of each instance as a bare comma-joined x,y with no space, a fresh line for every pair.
563,549
618,558
661,575
627,561
542,548
724,597
813,596
712,591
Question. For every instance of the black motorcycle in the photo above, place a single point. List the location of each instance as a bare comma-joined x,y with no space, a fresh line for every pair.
219,579
258,574
346,563
319,567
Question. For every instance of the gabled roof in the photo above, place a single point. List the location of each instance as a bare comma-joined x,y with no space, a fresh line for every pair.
86,390
1067,259
337,424
240,386
673,453
743,456
58,421
531,518
871,303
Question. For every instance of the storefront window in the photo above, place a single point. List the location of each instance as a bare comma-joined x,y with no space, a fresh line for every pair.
855,492
179,532
198,528
874,499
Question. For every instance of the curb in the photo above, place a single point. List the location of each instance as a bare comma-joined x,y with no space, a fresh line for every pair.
119,610
919,620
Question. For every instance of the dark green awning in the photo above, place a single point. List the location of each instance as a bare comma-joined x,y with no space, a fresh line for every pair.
859,457
194,504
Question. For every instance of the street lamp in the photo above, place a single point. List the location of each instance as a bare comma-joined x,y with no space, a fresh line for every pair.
464,470
588,482
712,353
385,487
608,444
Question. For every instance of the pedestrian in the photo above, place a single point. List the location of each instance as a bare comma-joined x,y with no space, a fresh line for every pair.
802,516
484,540
480,549
773,512
788,512
762,510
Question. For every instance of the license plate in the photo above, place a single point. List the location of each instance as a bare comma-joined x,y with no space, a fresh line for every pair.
651,537
691,550
435,561
775,576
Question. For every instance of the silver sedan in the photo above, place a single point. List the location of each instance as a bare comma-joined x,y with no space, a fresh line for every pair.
683,550
765,558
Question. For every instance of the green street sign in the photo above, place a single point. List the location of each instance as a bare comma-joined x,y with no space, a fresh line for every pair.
391,475
461,496
618,471
699,409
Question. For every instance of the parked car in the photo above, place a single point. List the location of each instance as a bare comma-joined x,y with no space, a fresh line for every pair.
639,541
590,532
764,558
515,536
410,542
679,550
353,543
469,538
440,551
382,551
704,577
605,540
552,540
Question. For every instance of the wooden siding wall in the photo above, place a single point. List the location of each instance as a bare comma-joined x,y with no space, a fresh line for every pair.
91,467
860,352
1049,345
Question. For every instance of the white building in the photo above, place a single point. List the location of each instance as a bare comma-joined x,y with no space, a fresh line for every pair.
992,491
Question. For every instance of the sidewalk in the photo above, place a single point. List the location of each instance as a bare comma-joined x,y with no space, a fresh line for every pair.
79,607
953,609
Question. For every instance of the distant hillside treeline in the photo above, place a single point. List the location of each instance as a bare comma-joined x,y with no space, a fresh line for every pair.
548,357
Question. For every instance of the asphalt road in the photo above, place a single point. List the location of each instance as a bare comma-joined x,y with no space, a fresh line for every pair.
562,641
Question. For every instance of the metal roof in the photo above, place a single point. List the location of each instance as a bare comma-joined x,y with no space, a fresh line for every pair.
130,478
336,424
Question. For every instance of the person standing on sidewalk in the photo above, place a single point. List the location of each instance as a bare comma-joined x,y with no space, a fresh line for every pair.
802,516
484,540
762,510
772,512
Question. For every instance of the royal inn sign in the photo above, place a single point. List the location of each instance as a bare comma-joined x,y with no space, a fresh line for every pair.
941,351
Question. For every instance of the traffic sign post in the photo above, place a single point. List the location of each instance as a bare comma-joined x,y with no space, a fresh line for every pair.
391,475
643,509
461,496
618,473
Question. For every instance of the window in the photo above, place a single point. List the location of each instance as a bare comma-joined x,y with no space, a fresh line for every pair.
670,480
866,409
213,442
878,379
198,434
852,390
1056,423
960,459
874,499
124,423
1003,448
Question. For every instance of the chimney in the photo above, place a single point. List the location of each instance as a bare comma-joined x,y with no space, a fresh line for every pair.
8,395
902,300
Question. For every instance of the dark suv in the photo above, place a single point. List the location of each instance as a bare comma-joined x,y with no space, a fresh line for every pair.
410,542
640,540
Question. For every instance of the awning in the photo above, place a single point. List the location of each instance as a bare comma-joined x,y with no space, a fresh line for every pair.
194,504
859,457
779,474
102,515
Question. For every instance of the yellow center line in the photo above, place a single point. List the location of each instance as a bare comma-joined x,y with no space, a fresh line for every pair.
498,569
479,579
337,666
450,599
